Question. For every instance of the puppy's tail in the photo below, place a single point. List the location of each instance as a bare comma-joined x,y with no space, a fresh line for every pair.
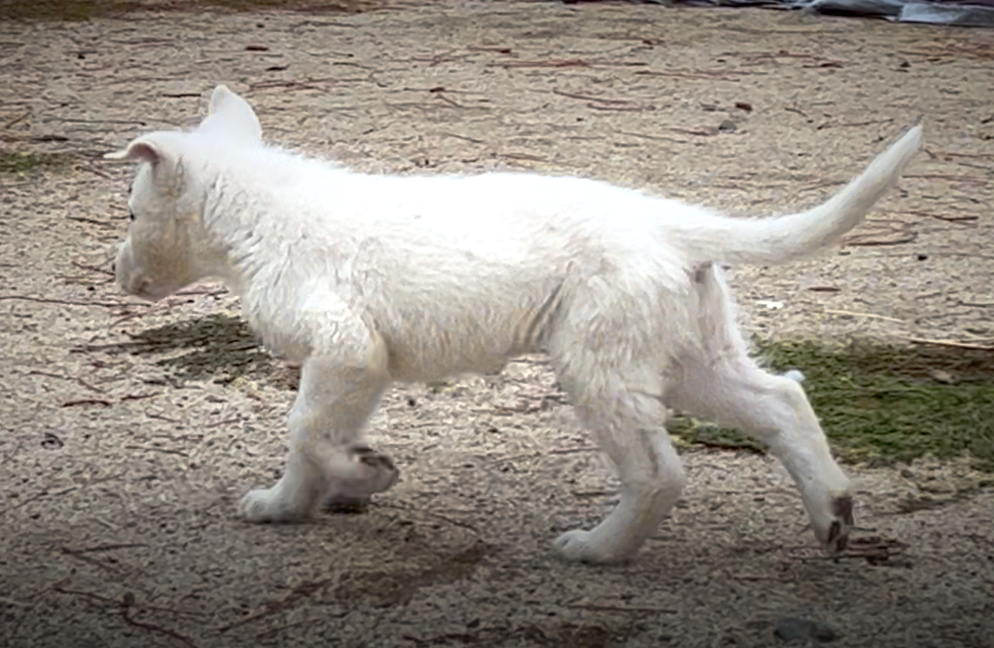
785,238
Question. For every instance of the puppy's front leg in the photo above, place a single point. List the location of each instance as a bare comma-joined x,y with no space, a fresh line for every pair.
337,395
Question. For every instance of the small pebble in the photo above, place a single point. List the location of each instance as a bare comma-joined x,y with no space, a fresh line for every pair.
795,375
791,628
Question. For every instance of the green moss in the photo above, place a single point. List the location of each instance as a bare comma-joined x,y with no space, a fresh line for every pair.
69,10
16,162
80,10
880,403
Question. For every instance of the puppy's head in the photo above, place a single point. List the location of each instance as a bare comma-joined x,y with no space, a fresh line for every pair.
168,246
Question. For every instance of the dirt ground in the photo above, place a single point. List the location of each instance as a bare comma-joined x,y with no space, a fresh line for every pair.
129,430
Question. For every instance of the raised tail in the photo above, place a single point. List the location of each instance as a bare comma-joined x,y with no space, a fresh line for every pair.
785,238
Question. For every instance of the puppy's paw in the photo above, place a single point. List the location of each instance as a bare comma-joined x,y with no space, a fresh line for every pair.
265,505
833,533
376,473
584,546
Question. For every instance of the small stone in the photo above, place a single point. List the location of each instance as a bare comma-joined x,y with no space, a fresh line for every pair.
727,126
791,628
944,377
795,375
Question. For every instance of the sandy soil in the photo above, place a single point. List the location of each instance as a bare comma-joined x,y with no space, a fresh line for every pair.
130,430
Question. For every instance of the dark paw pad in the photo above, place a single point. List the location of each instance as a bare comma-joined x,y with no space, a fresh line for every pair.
842,507
374,459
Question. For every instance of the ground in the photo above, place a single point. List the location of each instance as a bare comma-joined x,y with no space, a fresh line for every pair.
129,430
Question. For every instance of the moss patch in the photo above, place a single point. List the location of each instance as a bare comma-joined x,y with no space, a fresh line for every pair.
882,403
68,10
80,10
16,162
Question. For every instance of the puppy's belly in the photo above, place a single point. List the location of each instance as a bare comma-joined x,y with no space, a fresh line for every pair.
439,359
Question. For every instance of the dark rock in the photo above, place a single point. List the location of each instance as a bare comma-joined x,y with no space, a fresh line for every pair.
792,628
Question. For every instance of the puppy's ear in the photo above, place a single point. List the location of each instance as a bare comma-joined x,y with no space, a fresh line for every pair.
161,151
231,116
140,150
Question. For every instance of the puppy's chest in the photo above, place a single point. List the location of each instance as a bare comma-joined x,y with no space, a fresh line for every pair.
282,339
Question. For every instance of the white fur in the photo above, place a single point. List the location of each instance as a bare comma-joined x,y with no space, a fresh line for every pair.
370,279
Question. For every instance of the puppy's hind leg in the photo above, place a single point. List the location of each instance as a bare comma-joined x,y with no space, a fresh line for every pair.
338,393
622,407
725,385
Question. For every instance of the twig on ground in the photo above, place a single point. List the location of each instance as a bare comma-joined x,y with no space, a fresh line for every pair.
14,602
215,292
552,63
854,314
61,588
980,156
449,101
235,419
594,493
87,401
562,451
299,593
594,607
79,555
629,108
105,547
655,138
92,221
37,496
522,156
499,49
463,137
155,449
70,302
950,343
708,75
306,84
82,382
753,577
437,516
128,601
693,131
583,97
104,479
948,219
160,417
947,176
868,240
853,124
132,397
729,445
17,119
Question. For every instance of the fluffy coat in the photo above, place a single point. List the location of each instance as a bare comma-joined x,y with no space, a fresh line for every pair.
371,279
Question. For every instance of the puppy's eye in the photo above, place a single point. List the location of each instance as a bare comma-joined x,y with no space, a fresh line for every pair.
131,215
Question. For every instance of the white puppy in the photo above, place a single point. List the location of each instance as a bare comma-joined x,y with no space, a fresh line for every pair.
370,279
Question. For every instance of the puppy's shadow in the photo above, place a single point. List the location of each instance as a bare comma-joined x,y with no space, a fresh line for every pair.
219,347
